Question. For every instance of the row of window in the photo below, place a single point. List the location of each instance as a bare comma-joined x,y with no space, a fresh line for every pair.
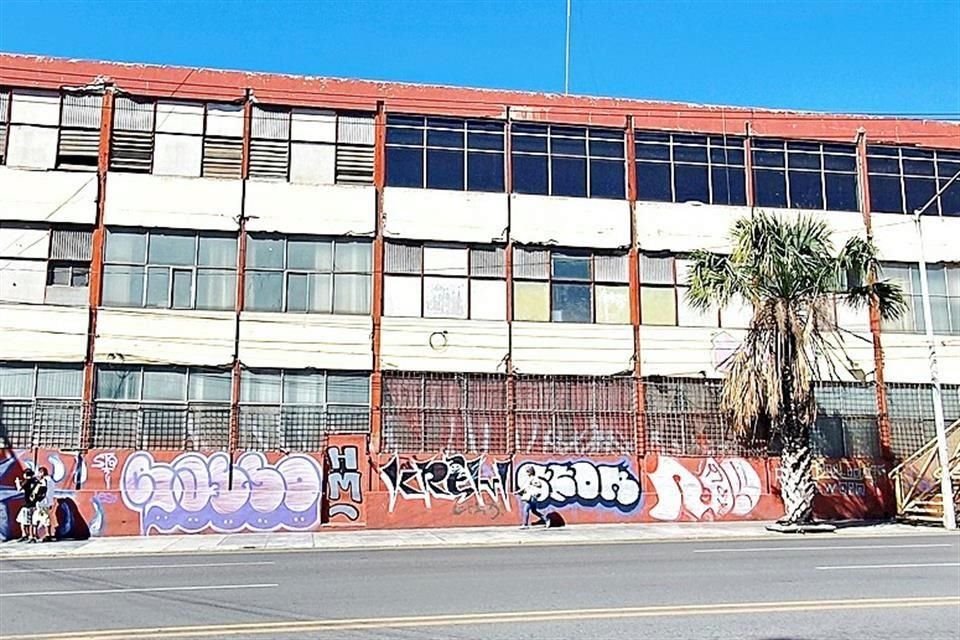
944,283
311,146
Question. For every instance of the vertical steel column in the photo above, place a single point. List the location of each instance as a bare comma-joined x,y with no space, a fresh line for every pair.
376,376
508,277
633,264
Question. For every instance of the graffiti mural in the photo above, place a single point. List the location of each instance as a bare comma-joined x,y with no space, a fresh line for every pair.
847,477
710,492
478,482
343,482
584,483
191,494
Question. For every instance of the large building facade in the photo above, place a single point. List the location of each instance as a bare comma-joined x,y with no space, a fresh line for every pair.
398,296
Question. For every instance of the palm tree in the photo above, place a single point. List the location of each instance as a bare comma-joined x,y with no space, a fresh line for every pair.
788,270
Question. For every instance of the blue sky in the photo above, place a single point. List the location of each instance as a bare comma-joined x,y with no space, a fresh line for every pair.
869,57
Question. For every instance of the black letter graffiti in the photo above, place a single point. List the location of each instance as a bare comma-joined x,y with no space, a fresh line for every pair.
451,477
344,476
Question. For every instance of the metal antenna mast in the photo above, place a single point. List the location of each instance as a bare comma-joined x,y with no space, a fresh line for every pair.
566,61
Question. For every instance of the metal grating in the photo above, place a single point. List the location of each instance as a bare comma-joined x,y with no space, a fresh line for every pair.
171,427
488,262
3,140
531,264
270,123
78,149
609,268
354,164
273,428
4,105
846,424
222,157
82,110
912,422
131,151
269,159
71,244
355,130
132,114
402,258
46,423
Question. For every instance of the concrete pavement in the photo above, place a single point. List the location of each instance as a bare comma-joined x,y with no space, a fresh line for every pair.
838,586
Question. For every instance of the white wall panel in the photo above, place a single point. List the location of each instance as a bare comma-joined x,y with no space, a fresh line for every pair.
313,125
24,242
685,351
571,349
35,107
48,196
295,341
225,120
313,164
140,200
23,280
179,117
415,344
488,299
43,332
439,214
570,222
310,209
897,240
163,336
175,155
32,147
906,358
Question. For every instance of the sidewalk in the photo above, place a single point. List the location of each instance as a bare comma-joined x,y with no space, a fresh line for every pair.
331,540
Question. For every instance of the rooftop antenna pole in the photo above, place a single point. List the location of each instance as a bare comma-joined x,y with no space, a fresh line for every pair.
566,62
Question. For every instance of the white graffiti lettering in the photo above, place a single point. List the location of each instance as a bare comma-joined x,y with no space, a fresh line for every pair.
583,483
450,477
715,490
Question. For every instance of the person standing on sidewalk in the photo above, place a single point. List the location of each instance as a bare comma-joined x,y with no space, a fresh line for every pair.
529,493
43,516
27,484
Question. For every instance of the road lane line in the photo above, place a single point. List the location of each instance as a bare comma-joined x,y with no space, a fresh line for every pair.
889,566
825,548
138,566
80,592
282,628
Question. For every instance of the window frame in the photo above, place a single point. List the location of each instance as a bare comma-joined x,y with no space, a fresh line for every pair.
647,138
877,153
913,320
791,151
35,367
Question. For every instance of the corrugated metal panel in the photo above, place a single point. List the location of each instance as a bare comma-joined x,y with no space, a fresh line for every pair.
270,123
131,151
4,105
354,164
487,262
609,268
3,140
656,270
222,157
81,110
78,149
533,264
355,130
70,244
133,114
269,158
402,258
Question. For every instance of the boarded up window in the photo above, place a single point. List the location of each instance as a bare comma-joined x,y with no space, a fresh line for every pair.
79,144
131,144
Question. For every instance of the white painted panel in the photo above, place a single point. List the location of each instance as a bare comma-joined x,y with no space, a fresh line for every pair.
32,147
401,296
225,120
568,348
310,209
440,214
179,117
23,280
570,222
296,341
43,332
905,358
488,299
35,107
415,344
685,351
313,125
47,196
897,240
164,336
445,261
312,163
853,319
139,200
737,314
24,243
176,155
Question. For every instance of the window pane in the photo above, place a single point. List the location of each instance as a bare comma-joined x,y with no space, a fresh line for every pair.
217,252
569,177
570,267
353,257
167,248
351,294
653,152
531,301
885,196
729,185
771,188
264,291
487,141
16,381
530,174
159,384
118,384
122,286
297,292
658,306
318,292
445,138
404,167
399,135
182,289
485,172
653,182
303,388
216,289
444,169
804,161
571,303
444,297
123,246
158,287
58,382
310,255
59,275
613,305
691,183
656,270
401,296
348,389
607,179
918,192
260,387
767,158
79,276
210,386
805,190
950,198
841,192
265,253
690,154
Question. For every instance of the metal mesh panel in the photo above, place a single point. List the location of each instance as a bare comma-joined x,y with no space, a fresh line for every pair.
846,424
16,424
70,244
402,258
133,114
568,415
82,110
609,268
175,427
270,123
3,139
488,262
912,422
55,424
531,264
355,130
222,157
131,151
273,428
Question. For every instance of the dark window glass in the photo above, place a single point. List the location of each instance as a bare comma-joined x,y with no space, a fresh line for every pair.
404,167
803,160
950,199
840,163
533,144
841,192
805,190
571,267
485,172
484,125
691,183
569,176
885,196
653,182
918,192
918,167
726,155
883,151
729,186
446,139
404,136
444,169
606,149
770,187
651,136
797,145
607,179
530,174
568,146
653,152
410,121
768,158
571,303
884,165
690,154
489,141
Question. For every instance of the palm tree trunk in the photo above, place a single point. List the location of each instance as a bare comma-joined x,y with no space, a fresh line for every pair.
796,480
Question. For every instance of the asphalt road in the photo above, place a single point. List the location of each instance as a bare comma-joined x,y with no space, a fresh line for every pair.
787,588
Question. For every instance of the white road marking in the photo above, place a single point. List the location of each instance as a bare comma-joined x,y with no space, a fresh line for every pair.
824,548
137,566
208,587
889,566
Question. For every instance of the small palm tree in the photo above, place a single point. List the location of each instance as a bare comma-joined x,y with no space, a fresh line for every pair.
791,274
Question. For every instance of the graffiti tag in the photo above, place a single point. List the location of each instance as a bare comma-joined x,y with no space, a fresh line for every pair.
344,477
450,477
584,483
106,462
713,491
